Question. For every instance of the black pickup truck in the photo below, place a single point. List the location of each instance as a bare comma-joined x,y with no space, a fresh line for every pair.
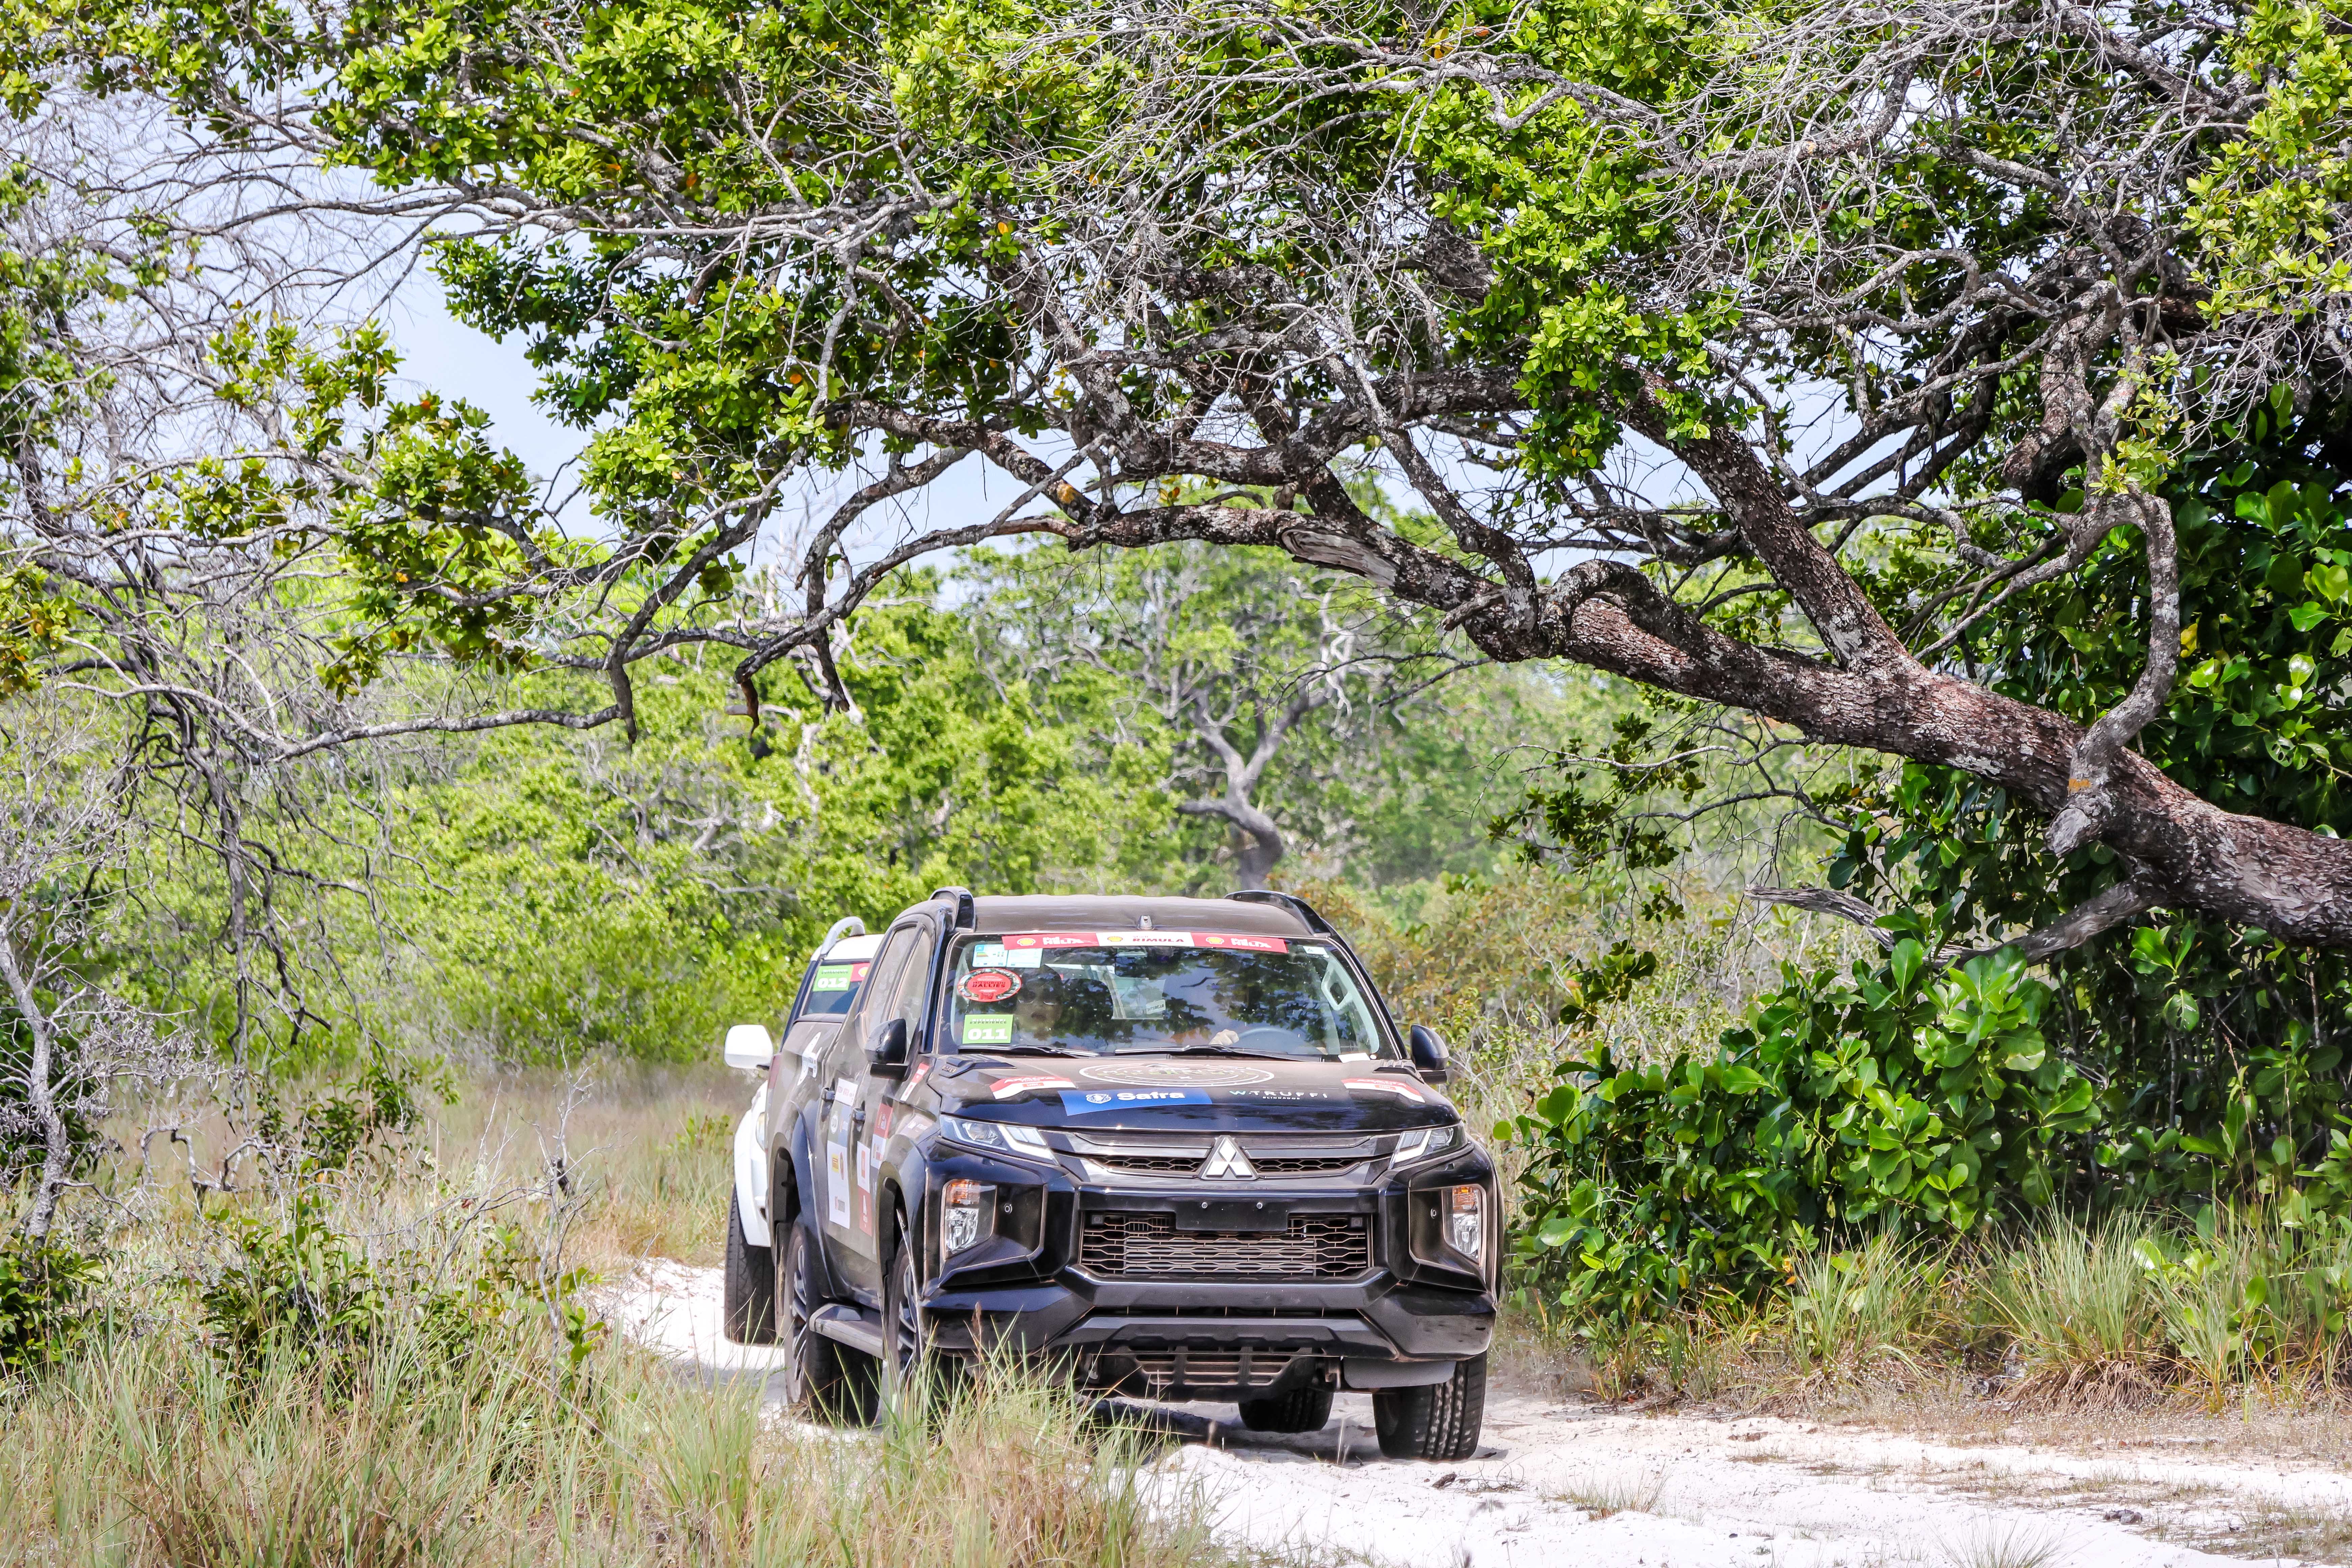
1175,1146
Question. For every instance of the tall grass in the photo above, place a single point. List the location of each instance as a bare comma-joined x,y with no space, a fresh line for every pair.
2132,1309
458,1416
2077,1302
156,1452
1851,1313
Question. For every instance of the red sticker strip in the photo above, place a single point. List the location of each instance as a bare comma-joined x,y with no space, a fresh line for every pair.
1401,1090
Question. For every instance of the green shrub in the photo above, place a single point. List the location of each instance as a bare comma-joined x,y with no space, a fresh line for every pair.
1891,1098
44,1301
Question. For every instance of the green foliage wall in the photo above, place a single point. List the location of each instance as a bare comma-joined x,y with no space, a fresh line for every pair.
2173,1062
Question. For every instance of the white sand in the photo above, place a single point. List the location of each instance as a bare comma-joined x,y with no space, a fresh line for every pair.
1696,1491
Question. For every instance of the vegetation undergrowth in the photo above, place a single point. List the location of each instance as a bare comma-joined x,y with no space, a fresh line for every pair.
2138,1309
397,1360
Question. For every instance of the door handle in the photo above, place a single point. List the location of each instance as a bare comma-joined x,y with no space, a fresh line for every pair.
828,1094
858,1120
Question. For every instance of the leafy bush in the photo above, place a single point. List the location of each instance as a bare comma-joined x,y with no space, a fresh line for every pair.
301,1292
1888,1097
44,1301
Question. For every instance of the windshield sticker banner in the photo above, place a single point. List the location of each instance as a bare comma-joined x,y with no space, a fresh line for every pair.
1006,1088
1397,1087
1095,1101
1014,946
988,985
988,1029
1189,1075
838,976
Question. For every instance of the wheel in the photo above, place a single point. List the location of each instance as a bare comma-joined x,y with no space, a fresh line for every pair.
749,1303
908,1358
828,1381
1440,1421
1302,1409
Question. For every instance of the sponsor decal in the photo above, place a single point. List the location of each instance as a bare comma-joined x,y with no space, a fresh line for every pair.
1186,1075
987,952
1096,1101
1397,1087
883,1115
988,1029
1245,943
836,1182
1282,1096
922,1070
838,976
1045,939
1143,939
915,1125
865,1167
988,985
836,1153
1006,1088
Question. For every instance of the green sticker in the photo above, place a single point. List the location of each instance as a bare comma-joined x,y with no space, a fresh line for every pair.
834,977
988,1029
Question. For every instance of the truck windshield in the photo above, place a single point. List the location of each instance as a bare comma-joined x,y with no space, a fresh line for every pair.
1121,993
831,988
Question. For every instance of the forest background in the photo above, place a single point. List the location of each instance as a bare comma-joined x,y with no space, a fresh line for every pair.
1617,457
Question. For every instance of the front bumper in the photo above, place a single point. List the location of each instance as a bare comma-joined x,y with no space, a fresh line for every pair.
1391,1321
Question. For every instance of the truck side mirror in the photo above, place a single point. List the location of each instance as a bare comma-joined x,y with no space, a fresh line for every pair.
1430,1057
885,1051
748,1046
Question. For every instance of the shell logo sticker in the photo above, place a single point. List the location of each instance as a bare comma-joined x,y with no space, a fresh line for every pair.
1177,1075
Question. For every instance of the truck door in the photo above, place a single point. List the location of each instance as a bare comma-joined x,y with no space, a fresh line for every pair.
898,989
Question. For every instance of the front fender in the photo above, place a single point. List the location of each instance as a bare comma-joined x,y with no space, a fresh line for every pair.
751,1171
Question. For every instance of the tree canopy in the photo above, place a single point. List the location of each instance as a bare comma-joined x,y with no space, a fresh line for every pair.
1761,356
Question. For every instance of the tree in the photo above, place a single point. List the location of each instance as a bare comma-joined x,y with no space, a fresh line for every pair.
1261,683
1911,305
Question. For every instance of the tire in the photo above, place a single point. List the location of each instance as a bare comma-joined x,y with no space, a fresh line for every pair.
1440,1421
908,1358
822,1379
750,1301
1306,1409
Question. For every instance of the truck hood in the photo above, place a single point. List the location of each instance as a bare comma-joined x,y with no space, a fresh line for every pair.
1191,1093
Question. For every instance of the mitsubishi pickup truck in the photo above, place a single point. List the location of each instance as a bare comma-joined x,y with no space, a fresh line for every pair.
1172,1148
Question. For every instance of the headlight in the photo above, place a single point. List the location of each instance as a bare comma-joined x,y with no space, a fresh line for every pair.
968,1212
1424,1141
998,1137
1465,1221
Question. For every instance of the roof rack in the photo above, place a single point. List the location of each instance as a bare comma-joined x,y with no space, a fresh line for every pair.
848,925
1291,901
961,899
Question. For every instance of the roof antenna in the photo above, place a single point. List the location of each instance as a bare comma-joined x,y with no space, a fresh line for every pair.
1143,923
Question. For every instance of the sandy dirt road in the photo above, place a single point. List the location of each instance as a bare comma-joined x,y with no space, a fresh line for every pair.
1590,1486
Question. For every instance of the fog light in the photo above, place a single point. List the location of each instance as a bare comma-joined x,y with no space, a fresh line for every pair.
967,1211
1465,1221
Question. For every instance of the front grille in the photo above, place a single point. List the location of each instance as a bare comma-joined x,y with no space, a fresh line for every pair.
1305,1166
1150,1246
1149,1164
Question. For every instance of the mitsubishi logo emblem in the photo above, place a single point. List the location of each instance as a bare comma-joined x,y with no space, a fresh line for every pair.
1226,1159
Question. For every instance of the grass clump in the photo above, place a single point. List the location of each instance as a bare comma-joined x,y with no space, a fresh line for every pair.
2077,1302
